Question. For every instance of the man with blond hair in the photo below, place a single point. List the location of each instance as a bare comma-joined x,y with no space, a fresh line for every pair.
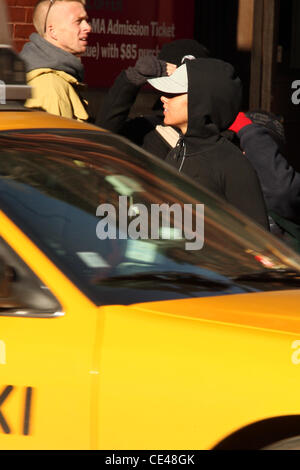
52,57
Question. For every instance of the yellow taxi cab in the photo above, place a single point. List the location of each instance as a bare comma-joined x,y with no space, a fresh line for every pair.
123,327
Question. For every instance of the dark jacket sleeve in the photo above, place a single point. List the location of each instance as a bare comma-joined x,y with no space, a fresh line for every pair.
280,182
114,111
243,190
116,105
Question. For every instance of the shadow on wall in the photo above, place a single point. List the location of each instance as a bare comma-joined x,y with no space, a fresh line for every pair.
216,25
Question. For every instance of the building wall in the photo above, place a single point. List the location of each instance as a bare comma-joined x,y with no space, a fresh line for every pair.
20,21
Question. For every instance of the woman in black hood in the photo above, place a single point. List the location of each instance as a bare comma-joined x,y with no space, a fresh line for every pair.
202,99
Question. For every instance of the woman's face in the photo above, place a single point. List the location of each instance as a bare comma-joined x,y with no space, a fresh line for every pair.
176,111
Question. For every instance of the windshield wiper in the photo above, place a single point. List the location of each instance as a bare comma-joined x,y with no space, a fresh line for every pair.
173,279
272,275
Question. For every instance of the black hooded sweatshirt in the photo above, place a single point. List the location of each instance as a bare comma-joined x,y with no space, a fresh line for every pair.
214,98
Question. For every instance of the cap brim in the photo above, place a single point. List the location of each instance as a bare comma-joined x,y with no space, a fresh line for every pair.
175,83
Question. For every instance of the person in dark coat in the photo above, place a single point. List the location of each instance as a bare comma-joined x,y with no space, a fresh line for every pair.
201,99
148,130
262,138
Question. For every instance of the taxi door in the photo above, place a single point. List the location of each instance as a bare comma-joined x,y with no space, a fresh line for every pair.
47,335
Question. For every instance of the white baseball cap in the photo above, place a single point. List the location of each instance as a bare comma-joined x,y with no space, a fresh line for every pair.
175,83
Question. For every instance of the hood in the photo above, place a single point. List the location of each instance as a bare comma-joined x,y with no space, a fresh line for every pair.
214,97
39,53
38,72
275,310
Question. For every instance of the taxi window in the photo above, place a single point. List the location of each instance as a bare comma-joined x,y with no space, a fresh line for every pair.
57,187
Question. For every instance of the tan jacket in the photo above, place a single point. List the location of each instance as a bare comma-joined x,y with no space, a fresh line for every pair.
55,92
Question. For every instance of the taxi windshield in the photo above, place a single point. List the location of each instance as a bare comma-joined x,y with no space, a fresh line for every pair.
122,225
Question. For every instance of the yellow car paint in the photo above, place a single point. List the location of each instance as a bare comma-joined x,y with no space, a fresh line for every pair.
39,120
178,374
113,376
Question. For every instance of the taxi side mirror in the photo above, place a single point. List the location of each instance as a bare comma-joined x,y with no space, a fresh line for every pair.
21,291
7,278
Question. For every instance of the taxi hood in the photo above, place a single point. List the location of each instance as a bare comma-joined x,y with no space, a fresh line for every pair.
276,310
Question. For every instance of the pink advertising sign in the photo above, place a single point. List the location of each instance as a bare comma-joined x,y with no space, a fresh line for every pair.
124,30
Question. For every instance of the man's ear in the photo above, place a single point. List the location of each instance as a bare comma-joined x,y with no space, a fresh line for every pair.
51,32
